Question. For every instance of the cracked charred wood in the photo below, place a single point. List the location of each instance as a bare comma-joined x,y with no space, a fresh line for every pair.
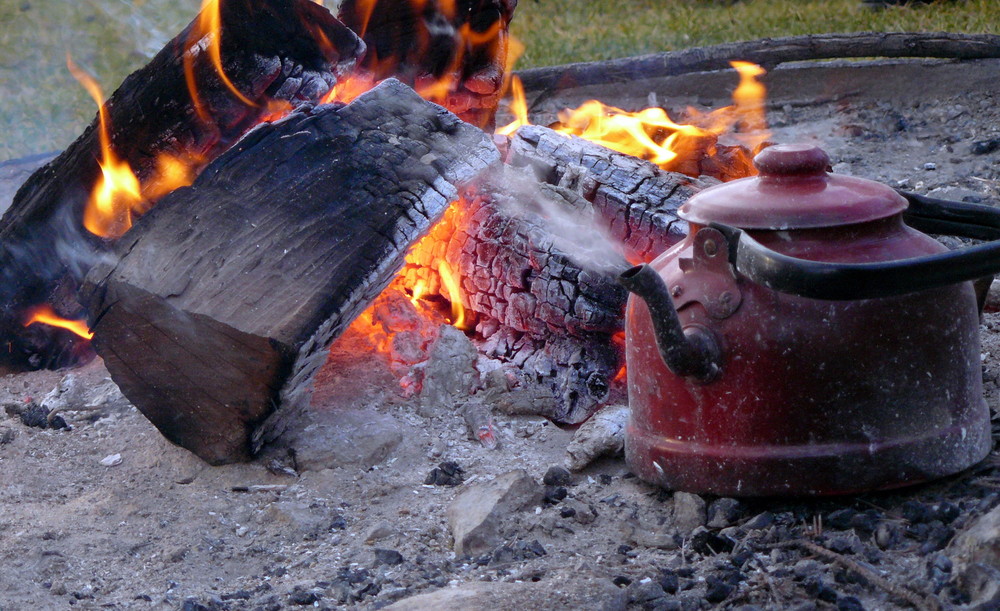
636,200
453,51
273,52
529,257
228,294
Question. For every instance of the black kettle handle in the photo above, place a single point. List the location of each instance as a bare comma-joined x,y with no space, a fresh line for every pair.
845,281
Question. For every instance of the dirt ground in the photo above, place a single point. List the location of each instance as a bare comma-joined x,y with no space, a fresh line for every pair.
109,515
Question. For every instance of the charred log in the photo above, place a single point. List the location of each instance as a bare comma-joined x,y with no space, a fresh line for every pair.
227,295
454,51
283,52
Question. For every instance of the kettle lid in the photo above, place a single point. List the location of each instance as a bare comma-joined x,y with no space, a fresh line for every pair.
793,191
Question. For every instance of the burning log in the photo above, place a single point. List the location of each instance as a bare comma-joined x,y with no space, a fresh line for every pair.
636,201
453,53
535,262
227,294
226,72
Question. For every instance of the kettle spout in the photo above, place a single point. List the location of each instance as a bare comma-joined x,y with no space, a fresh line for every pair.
690,353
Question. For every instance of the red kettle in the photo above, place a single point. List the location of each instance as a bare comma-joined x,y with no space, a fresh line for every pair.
805,340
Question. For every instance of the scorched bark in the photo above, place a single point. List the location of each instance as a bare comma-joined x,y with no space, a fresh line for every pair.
272,50
227,294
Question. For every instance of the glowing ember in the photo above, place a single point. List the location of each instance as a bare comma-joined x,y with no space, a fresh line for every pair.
45,315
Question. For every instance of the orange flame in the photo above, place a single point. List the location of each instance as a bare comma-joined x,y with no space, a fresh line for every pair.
118,196
651,134
117,193
748,102
206,36
450,281
47,316
518,108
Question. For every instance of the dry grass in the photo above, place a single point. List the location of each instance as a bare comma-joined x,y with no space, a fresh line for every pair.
42,108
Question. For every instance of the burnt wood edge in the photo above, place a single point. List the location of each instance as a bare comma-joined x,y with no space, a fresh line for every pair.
767,52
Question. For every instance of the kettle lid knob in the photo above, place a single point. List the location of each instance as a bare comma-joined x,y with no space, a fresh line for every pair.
792,160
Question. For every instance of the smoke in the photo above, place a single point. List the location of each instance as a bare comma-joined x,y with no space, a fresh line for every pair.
573,225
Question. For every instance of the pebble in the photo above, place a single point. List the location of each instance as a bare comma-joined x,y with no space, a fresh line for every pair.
448,473
669,581
477,515
886,535
717,589
723,512
849,603
759,521
378,532
583,513
390,557
985,147
689,512
557,476
112,460
930,165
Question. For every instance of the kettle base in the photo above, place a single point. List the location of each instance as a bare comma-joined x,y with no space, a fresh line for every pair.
807,470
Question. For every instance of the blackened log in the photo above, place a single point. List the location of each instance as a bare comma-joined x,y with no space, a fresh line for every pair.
636,200
228,293
287,51
454,51
766,52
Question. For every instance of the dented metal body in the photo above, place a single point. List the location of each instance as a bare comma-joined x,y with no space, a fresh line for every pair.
808,396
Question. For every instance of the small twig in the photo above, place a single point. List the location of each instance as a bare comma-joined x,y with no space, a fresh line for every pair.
923,601
261,488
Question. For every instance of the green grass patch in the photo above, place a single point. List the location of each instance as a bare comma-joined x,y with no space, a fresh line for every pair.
564,31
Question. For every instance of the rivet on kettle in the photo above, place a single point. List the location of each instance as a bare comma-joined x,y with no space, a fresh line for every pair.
676,291
710,247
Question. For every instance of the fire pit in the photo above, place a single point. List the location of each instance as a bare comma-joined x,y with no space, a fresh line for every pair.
336,508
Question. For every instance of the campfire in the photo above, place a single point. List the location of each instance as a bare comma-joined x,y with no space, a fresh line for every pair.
271,177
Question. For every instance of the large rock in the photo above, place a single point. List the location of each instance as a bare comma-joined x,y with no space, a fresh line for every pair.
478,515
344,438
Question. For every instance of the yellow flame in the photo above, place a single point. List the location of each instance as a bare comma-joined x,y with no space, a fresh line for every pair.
208,27
748,99
651,134
450,282
117,193
419,290
518,108
47,316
